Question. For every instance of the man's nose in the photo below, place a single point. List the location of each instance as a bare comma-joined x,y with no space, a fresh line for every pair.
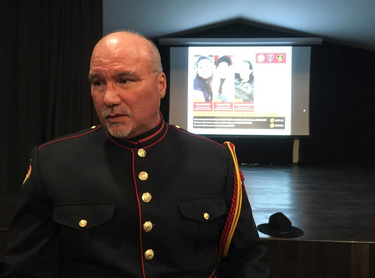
111,96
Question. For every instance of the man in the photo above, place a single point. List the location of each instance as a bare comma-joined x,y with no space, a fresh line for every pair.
134,197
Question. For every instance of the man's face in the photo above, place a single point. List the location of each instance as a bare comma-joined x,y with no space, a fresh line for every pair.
124,87
205,68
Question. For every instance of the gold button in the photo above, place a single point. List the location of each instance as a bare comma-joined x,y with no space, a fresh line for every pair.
177,126
94,126
206,216
149,254
141,153
146,197
147,226
82,223
143,176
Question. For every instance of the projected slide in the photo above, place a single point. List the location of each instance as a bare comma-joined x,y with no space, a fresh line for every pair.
239,90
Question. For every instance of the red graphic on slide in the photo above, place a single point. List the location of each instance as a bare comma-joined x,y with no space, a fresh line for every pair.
271,58
223,106
244,106
202,106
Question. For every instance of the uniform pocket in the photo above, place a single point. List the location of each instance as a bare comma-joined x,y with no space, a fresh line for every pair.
83,216
204,210
76,220
207,212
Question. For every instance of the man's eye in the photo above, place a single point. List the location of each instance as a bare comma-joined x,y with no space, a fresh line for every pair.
97,83
123,81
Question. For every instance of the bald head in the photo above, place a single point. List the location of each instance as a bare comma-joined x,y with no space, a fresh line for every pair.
127,84
125,40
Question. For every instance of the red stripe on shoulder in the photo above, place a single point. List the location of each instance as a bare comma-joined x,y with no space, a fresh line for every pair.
194,135
67,138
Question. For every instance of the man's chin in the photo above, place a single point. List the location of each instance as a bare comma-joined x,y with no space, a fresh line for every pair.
119,131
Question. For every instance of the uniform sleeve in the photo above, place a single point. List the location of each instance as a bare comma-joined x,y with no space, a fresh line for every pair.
246,255
33,246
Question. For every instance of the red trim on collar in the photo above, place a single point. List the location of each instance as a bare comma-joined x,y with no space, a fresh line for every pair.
144,139
67,138
161,138
113,141
140,216
152,135
129,141
149,137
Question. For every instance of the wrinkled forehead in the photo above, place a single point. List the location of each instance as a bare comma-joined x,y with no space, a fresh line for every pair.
126,50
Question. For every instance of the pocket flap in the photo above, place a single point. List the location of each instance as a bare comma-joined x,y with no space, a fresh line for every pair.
202,209
82,216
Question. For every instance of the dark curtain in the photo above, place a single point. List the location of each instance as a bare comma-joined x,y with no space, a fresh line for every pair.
342,97
44,61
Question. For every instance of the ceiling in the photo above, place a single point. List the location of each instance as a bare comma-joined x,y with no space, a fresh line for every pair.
343,21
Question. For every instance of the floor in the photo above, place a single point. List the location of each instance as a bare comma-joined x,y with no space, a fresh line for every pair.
327,203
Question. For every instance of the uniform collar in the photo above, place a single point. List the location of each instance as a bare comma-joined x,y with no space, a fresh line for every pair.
144,140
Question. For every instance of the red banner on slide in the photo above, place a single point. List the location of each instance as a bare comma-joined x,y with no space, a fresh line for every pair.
271,58
202,106
223,106
244,106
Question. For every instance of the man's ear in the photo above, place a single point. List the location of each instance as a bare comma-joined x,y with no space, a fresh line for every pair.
162,83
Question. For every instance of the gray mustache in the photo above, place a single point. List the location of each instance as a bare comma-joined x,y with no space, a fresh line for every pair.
118,110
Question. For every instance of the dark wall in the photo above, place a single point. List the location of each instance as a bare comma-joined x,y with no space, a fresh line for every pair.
341,94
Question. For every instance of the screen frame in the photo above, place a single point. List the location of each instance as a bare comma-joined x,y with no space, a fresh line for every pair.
305,41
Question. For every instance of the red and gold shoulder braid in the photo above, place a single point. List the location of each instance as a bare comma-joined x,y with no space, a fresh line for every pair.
236,205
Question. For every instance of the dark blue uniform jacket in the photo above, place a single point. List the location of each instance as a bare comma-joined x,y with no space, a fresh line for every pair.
154,206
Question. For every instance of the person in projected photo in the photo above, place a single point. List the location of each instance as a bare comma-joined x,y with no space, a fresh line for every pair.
223,80
203,80
133,197
244,81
